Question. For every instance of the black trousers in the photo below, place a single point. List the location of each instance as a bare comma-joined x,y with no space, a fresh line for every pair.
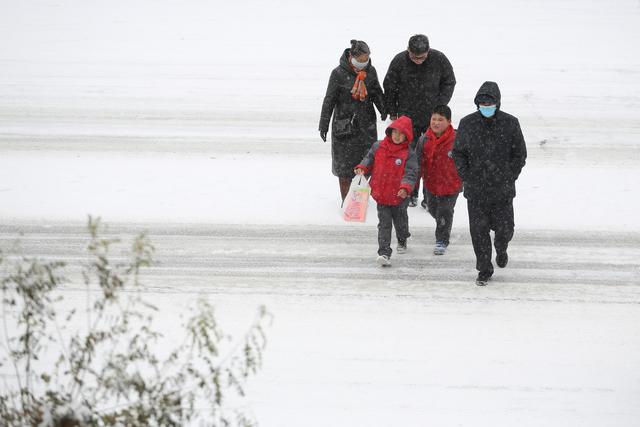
441,209
389,217
485,216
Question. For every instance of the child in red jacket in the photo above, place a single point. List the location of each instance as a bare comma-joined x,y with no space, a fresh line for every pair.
439,173
394,170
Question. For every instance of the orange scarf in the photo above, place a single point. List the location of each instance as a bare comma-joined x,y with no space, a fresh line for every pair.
359,90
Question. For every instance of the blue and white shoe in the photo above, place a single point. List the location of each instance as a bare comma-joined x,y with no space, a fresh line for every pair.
440,249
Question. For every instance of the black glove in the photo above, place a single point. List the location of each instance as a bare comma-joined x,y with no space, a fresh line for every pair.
323,135
383,116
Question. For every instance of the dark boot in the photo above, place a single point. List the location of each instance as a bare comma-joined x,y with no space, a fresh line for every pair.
502,259
483,278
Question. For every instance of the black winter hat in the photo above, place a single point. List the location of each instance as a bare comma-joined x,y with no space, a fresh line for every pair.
358,47
418,44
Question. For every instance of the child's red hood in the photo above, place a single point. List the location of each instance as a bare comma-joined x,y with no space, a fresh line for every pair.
404,125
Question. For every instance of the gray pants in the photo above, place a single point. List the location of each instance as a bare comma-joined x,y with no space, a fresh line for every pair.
389,217
485,216
441,209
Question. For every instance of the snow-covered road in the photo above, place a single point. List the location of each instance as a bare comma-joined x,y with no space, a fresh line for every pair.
265,258
555,336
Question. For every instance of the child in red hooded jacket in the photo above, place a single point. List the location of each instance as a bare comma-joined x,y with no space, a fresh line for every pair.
439,173
394,170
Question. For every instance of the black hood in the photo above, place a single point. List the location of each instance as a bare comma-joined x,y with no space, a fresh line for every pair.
488,92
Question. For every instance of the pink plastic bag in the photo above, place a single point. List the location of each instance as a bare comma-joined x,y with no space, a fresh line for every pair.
357,201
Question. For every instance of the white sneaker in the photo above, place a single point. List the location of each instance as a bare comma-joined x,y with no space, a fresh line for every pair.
402,247
384,260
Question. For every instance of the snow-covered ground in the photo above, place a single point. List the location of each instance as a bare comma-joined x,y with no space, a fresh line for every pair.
198,121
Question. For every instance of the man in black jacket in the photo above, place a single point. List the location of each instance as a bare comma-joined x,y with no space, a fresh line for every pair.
417,80
489,152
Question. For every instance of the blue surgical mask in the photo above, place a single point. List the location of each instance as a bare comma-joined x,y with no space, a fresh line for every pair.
487,110
359,65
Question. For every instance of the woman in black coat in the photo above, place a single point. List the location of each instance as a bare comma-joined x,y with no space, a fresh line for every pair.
353,90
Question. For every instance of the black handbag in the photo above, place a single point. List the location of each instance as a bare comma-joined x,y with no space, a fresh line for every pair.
343,127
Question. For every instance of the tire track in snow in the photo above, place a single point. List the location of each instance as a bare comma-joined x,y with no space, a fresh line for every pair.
323,260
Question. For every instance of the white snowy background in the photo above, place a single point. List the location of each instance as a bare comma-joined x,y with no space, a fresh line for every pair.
198,121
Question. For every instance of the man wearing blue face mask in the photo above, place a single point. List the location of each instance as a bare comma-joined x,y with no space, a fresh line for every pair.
489,153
